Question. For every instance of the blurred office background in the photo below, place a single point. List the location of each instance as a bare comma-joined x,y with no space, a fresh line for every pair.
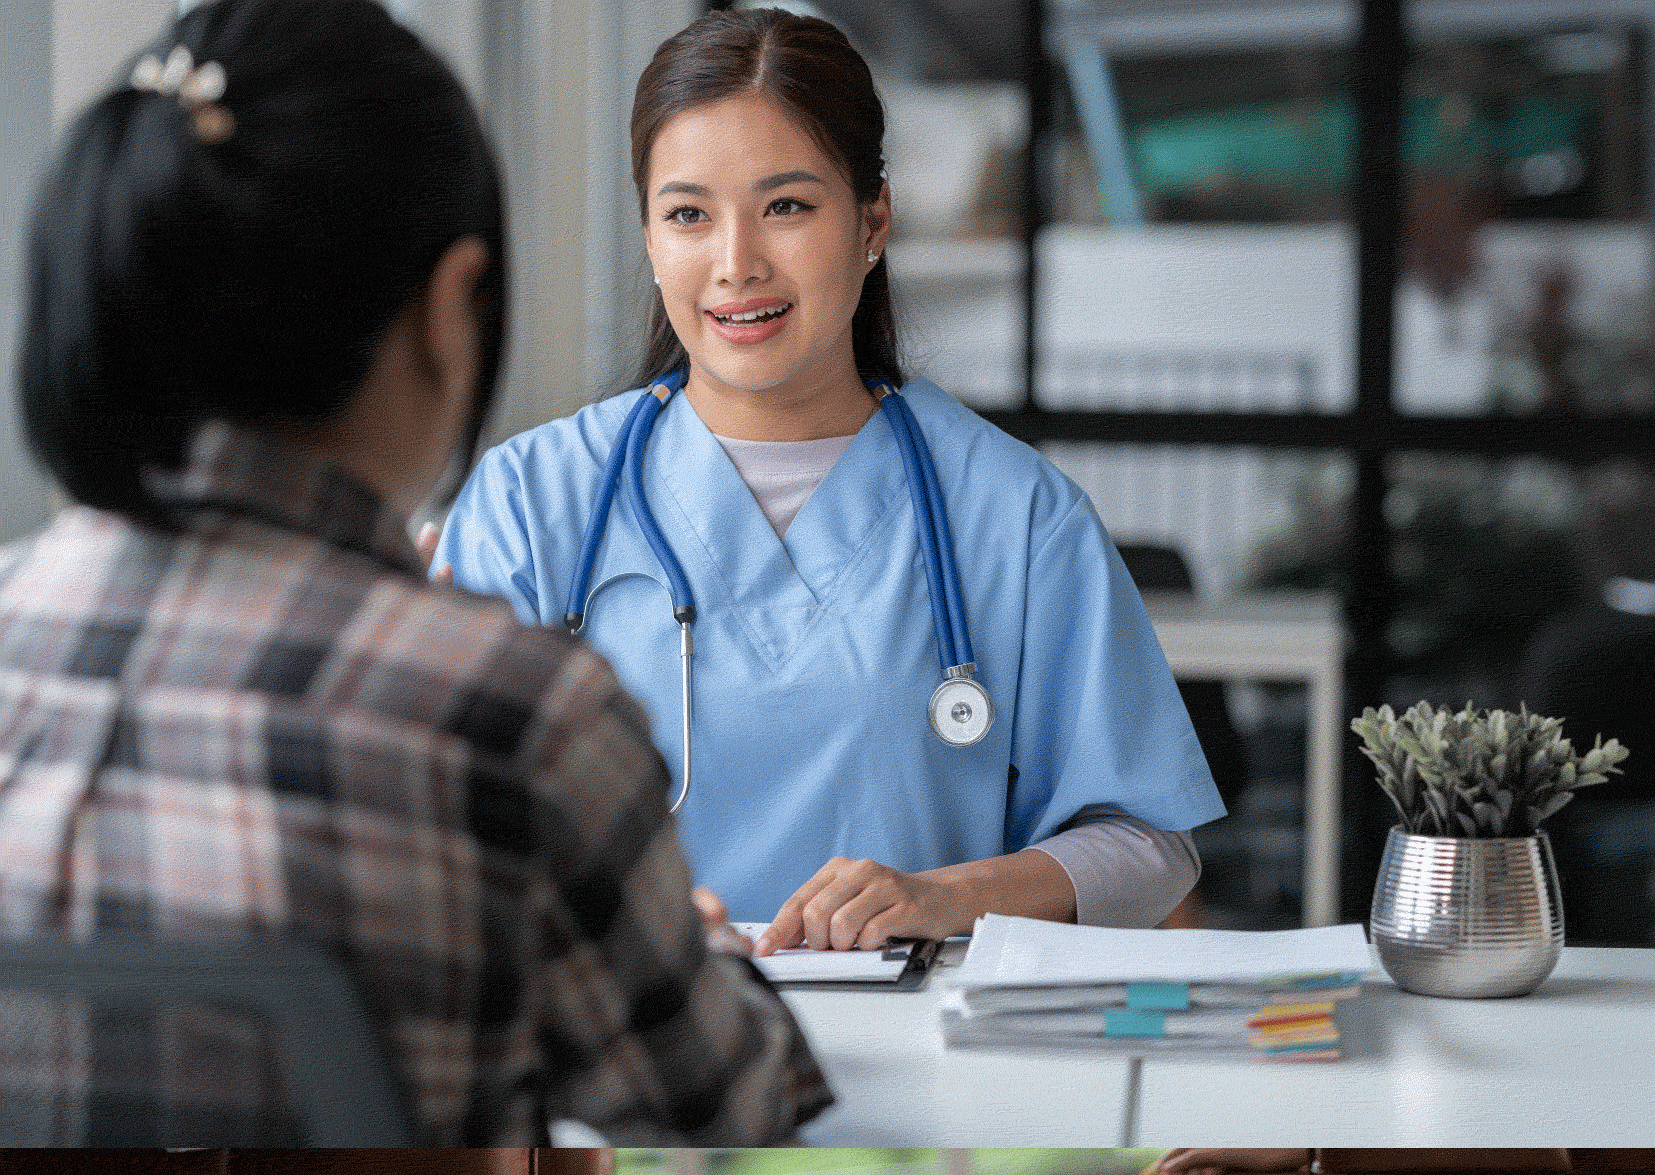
1348,297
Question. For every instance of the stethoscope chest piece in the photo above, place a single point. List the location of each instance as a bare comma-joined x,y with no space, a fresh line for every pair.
960,712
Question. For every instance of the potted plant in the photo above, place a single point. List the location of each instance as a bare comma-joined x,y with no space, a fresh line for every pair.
1467,900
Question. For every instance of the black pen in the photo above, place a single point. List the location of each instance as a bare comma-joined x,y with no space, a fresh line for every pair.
921,953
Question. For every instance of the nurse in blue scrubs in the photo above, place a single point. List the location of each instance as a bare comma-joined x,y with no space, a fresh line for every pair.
822,801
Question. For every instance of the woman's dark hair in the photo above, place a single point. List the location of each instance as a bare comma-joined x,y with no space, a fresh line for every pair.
808,68
175,276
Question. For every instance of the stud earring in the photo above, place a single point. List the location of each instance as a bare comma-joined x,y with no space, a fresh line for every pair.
872,256
657,280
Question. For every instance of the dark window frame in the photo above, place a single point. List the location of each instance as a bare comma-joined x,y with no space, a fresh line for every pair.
1372,431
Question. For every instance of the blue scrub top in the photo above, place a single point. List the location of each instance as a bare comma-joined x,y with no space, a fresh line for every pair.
815,654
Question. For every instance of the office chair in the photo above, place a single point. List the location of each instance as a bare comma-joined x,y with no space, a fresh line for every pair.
330,1076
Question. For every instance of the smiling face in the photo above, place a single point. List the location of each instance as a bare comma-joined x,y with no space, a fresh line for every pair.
760,248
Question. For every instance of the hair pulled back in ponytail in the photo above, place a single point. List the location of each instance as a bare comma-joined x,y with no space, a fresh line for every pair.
808,68
174,277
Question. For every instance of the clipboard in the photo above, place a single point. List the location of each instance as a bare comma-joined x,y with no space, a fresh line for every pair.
902,965
922,954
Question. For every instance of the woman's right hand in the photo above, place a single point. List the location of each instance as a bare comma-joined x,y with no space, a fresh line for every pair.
426,545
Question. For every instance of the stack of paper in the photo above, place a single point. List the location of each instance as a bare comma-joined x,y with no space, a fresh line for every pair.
1271,994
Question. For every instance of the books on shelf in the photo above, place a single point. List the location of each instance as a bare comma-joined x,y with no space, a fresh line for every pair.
1267,994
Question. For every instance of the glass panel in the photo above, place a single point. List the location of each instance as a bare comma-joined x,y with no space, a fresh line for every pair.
1199,258
1242,519
1195,318
956,126
1200,189
1483,551
1239,522
1526,286
1208,133
1526,581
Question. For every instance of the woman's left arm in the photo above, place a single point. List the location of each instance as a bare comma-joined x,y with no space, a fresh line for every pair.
1126,872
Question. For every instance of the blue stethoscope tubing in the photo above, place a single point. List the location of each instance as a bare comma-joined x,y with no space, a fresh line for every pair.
960,711
935,539
626,463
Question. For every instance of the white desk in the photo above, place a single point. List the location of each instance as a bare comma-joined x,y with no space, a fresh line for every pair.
1573,1064
1285,637
899,1087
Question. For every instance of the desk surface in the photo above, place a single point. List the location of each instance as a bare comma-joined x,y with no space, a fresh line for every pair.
899,1087
1573,1064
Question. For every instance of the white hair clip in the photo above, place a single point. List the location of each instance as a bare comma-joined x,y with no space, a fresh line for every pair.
198,88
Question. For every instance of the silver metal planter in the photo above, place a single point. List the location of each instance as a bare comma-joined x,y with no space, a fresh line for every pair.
1467,917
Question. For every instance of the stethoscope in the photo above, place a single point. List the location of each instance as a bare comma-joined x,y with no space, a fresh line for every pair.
959,711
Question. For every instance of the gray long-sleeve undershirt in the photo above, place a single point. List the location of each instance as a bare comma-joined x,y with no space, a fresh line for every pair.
1125,872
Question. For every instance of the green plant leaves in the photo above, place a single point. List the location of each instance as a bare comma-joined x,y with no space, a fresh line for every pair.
1478,773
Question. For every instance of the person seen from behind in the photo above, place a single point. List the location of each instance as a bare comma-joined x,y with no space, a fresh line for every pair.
265,306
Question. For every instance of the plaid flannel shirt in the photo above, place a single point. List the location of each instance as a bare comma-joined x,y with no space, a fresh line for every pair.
268,723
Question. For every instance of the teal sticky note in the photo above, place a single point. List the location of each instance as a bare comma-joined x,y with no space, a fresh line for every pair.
1330,979
1170,997
1134,1022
